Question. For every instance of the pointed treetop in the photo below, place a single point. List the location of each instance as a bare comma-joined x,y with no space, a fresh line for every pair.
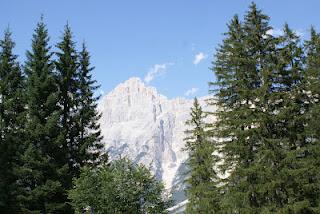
67,29
7,42
253,6
84,53
84,58
288,32
254,11
313,34
256,19
67,35
196,103
234,26
40,36
235,21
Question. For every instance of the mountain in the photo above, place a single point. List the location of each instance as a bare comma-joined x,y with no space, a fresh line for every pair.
147,127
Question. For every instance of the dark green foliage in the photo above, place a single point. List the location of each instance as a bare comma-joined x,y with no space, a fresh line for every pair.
202,190
122,187
308,191
79,138
12,110
238,87
39,178
67,80
286,126
265,95
89,137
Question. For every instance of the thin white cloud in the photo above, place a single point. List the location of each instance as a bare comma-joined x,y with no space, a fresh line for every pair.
156,70
279,32
191,91
275,32
198,58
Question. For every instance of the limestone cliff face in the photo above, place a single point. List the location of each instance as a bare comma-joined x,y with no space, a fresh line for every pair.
147,127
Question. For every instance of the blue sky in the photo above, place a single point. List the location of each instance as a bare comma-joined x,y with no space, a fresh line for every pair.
172,40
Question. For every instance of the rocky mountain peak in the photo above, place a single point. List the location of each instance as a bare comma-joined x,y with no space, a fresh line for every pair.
135,87
147,127
131,85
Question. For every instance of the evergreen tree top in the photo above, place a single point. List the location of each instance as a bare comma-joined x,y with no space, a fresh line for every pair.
257,24
313,45
85,59
39,57
255,14
197,114
66,37
235,23
40,38
8,60
67,62
7,45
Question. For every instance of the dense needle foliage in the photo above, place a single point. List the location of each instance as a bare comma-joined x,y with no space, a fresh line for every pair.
202,178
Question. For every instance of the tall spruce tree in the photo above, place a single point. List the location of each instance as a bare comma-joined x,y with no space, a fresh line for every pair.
266,192
243,68
89,137
80,136
67,80
12,119
266,118
306,195
202,179
283,124
289,123
234,94
38,175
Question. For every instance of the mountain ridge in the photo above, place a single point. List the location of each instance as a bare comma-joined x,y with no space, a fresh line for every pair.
147,127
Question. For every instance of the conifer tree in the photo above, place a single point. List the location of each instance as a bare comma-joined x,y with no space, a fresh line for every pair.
305,195
202,180
80,135
67,80
243,67
89,138
282,124
12,119
67,65
38,174
234,94
265,118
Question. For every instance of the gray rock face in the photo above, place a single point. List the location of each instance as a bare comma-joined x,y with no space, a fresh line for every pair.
147,127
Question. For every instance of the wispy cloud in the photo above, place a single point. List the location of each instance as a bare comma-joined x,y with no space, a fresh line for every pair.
156,70
279,32
275,32
198,58
191,91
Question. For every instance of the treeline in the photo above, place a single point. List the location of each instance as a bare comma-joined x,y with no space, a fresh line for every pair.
52,159
266,133
48,123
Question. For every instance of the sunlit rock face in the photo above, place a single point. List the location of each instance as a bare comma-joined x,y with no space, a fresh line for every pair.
147,127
